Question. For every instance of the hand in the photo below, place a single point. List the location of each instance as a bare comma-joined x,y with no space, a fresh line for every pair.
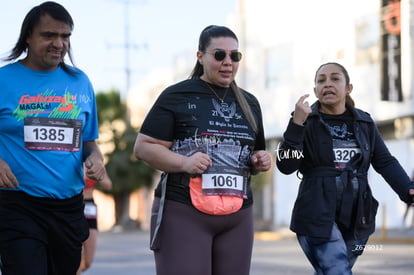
95,168
261,161
197,163
302,110
7,178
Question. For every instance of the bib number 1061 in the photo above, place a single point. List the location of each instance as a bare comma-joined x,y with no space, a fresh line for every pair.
223,181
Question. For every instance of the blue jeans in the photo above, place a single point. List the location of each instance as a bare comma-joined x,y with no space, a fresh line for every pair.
334,256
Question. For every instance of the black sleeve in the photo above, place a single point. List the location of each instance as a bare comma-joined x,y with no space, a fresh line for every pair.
292,141
160,120
390,169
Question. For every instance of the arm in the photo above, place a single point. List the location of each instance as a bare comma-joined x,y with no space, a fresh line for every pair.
157,154
391,170
293,142
106,182
293,139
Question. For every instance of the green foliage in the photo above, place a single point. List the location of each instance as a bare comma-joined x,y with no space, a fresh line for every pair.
126,172
110,106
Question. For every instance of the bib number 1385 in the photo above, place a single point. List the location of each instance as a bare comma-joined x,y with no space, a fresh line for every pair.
52,134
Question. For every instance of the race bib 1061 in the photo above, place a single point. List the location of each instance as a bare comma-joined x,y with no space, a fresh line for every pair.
220,182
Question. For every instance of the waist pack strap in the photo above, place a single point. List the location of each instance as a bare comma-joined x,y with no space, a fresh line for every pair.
163,182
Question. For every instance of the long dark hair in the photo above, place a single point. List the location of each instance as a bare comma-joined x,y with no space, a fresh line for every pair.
214,31
57,12
348,98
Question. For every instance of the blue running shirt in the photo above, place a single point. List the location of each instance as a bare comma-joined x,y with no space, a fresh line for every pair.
44,119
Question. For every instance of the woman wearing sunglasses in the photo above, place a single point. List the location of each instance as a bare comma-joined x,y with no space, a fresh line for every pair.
210,143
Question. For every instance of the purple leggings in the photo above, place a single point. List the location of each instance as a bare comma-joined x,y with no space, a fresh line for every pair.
191,242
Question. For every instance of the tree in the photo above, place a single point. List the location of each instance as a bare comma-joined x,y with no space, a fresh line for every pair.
118,138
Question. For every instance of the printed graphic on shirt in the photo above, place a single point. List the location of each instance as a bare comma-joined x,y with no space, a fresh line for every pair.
339,131
50,121
223,151
224,110
228,140
344,142
228,112
48,103
230,162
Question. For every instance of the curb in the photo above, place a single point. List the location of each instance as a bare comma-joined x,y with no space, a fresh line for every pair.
379,237
274,235
391,240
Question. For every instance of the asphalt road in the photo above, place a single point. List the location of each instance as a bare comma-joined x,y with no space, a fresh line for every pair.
127,253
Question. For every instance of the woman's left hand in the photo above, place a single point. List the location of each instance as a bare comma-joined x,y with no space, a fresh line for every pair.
261,161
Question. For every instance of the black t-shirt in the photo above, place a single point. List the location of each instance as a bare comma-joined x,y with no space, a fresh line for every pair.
344,142
191,116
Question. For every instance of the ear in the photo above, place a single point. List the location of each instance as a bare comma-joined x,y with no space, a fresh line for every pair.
200,57
314,91
349,88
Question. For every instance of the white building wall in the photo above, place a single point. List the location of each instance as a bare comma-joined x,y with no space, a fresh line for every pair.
285,42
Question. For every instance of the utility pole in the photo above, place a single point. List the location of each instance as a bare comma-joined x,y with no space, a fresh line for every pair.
242,39
127,46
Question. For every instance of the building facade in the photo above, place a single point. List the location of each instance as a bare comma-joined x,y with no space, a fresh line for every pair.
285,42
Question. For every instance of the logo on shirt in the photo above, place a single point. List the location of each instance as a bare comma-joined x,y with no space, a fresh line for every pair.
47,103
225,110
339,131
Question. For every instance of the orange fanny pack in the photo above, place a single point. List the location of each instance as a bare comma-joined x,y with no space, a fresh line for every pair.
212,204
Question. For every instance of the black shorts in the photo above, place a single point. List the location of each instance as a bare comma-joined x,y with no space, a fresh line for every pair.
91,213
41,235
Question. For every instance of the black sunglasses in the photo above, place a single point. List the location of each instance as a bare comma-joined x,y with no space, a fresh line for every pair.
220,55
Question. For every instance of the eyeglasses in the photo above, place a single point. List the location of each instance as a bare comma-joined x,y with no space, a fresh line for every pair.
220,55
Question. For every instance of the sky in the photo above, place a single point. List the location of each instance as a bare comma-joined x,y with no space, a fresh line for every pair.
159,30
